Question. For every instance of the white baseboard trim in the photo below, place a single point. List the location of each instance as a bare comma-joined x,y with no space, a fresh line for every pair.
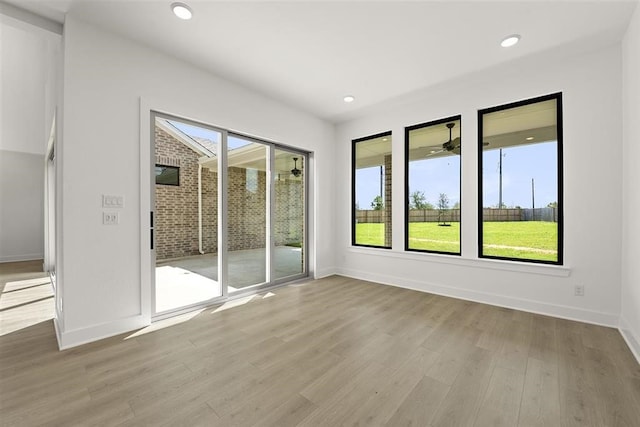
24,257
325,272
633,341
56,327
74,338
559,311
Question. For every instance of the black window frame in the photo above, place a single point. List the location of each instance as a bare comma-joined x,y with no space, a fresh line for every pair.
354,142
560,176
407,130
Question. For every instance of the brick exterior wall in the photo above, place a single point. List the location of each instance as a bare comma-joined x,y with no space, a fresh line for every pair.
387,200
289,220
176,213
176,210
246,210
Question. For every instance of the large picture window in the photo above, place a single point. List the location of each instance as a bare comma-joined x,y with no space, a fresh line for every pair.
371,191
432,209
520,182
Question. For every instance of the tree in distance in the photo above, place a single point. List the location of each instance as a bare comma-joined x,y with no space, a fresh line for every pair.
443,202
443,206
377,204
417,200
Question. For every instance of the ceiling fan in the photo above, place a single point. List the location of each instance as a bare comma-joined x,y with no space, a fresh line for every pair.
295,171
452,145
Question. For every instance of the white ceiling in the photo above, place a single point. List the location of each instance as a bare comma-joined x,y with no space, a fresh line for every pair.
309,54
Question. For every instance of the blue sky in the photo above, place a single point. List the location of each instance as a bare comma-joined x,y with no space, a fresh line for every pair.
441,175
232,141
520,164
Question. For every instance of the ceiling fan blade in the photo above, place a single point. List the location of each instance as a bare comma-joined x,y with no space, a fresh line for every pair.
433,152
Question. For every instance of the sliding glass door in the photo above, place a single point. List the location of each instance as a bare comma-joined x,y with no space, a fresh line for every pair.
229,214
289,214
185,229
247,213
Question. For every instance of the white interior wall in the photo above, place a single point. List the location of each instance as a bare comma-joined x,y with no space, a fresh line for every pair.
106,79
27,73
591,87
630,315
23,89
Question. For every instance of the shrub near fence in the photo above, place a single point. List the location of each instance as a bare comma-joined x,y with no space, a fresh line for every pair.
453,215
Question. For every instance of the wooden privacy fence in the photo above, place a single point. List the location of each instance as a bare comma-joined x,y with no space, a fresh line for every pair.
453,215
434,215
370,216
524,214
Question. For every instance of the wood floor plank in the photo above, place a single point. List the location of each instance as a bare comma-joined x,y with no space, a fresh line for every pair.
513,352
391,393
107,412
274,387
543,345
290,413
617,406
420,405
39,411
576,408
501,404
339,377
334,351
342,402
446,368
460,406
540,404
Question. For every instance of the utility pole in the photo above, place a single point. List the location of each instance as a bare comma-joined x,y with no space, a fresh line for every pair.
500,192
533,198
533,194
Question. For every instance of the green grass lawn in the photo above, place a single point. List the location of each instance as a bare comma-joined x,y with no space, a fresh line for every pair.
534,240
521,239
370,234
430,236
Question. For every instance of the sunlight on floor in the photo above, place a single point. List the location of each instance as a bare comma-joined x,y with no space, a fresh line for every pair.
24,303
166,323
242,301
181,318
177,287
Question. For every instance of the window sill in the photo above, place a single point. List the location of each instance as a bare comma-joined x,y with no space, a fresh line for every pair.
491,264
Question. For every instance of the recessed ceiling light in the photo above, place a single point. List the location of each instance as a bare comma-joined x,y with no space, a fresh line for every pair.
349,98
181,10
510,40
529,138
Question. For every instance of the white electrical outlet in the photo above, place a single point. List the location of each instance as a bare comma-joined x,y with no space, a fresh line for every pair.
579,291
110,218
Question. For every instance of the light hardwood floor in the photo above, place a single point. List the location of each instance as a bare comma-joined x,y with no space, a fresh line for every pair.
335,351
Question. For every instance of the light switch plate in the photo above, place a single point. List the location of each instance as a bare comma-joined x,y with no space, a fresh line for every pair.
112,202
